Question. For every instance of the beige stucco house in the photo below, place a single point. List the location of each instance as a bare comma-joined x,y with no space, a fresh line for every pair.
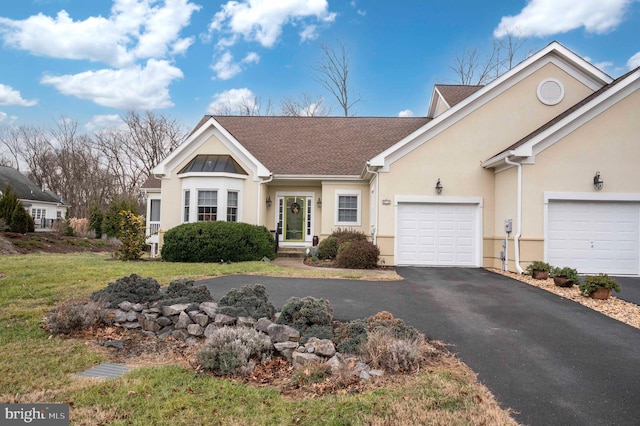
540,164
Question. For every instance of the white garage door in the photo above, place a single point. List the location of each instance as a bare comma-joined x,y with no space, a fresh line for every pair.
594,237
437,234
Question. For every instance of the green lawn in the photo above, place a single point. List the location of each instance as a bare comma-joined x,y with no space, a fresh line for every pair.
35,367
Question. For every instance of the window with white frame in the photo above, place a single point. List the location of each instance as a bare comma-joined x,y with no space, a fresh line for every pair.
38,213
232,206
348,207
207,206
155,211
186,206
58,215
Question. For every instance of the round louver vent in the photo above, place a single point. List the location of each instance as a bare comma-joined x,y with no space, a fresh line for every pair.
550,91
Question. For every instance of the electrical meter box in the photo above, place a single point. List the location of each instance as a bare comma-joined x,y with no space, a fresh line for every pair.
508,226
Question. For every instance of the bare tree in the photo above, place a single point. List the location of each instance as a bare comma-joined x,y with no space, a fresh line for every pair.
305,106
332,72
10,138
251,107
471,67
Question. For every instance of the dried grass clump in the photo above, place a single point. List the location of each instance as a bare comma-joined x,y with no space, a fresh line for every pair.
233,351
80,226
386,351
72,317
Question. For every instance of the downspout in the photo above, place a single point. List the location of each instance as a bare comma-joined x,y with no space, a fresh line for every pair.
516,237
260,197
375,224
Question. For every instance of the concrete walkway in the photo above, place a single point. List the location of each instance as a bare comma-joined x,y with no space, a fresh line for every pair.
553,361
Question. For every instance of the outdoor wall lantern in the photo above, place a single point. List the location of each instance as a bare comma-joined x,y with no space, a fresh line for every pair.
438,187
319,203
268,201
597,182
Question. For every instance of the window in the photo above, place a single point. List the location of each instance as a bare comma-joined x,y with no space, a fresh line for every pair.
207,206
187,202
58,215
155,211
232,206
38,213
348,208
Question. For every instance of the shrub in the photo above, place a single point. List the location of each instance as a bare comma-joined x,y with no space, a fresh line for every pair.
311,374
397,327
231,351
249,301
80,226
343,246
183,291
312,253
348,235
570,273
538,265
592,282
20,220
383,350
349,337
312,317
217,241
95,219
72,317
328,248
133,288
131,236
359,255
111,218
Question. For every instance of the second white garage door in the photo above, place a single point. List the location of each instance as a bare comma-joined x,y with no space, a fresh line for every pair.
433,234
594,237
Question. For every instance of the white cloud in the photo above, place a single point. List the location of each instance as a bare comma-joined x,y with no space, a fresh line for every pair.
226,68
135,87
262,21
10,96
310,32
234,101
405,113
542,18
634,61
104,122
135,29
6,119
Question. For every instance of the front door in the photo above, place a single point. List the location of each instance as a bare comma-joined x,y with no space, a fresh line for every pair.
295,214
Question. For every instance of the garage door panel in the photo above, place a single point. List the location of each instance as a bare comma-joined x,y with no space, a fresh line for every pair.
594,237
446,234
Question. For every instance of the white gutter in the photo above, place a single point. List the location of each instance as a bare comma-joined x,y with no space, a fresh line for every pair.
260,197
377,207
516,237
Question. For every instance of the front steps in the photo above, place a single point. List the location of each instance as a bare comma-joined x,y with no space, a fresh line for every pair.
295,252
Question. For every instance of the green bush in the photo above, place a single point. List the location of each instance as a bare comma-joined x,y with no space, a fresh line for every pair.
592,282
349,337
231,351
328,248
131,236
359,255
570,273
14,214
111,218
348,235
217,241
183,291
95,219
133,288
538,265
249,301
312,317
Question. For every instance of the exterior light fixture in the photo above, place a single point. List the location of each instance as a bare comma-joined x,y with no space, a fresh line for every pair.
319,203
439,187
268,201
598,183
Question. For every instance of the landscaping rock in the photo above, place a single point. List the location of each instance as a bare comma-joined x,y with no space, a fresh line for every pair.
125,306
195,329
192,315
321,347
209,308
139,307
131,325
262,324
210,330
183,321
148,324
132,316
246,321
221,320
167,311
165,332
163,321
286,349
336,362
117,315
201,319
118,344
180,334
282,333
301,360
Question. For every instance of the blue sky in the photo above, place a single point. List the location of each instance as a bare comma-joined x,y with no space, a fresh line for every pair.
91,61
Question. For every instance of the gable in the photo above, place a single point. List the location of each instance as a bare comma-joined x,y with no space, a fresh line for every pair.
23,187
578,71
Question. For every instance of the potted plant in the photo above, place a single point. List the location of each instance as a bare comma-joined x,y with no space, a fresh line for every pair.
565,277
539,270
599,286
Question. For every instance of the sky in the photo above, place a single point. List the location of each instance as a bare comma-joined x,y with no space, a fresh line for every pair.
93,60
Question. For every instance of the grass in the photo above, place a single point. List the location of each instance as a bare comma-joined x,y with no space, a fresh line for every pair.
35,367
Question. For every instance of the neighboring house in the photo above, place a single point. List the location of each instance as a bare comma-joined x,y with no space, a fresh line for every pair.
44,206
527,149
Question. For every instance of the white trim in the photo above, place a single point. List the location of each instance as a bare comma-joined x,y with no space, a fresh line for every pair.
347,193
554,53
310,198
211,175
400,199
546,101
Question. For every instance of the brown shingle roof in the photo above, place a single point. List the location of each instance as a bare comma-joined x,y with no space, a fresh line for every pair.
318,145
152,182
456,93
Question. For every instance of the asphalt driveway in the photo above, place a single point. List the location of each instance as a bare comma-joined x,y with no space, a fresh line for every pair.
630,287
553,361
